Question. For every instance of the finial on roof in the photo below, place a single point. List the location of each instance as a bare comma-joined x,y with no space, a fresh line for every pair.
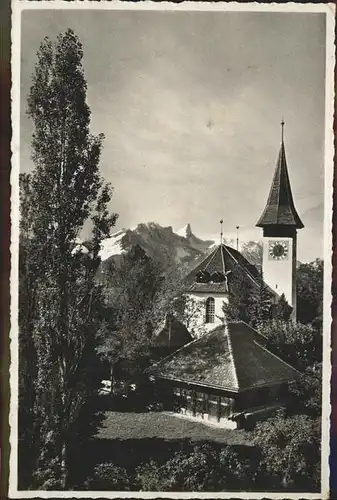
282,129
237,237
221,222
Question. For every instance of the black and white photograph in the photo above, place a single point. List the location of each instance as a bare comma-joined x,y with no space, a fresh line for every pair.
171,249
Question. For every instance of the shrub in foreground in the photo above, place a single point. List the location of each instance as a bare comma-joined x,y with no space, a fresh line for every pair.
291,450
287,458
204,469
108,476
152,477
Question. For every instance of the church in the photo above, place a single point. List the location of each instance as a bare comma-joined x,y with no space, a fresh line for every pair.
226,375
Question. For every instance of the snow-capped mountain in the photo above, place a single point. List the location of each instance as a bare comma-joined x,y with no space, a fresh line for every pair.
159,242
155,240
113,245
164,244
185,231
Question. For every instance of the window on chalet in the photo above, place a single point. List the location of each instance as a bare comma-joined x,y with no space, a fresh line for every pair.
210,310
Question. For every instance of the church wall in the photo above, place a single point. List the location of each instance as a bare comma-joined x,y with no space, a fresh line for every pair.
294,279
199,319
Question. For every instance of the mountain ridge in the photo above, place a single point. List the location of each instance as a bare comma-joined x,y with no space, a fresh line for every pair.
161,243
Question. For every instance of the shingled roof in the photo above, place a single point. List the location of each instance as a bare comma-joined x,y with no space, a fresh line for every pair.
230,357
280,208
225,261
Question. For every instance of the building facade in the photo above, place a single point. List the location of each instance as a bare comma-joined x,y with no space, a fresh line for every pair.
226,376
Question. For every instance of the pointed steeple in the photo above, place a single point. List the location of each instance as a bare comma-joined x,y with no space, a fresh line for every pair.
280,208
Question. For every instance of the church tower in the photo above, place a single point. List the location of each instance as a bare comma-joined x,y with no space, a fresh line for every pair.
280,222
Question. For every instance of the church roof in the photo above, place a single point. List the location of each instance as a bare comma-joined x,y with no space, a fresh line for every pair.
230,357
225,261
280,208
213,269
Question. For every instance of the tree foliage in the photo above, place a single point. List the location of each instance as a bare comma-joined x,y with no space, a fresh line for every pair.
309,283
190,312
129,302
291,450
299,345
139,297
27,351
248,300
59,306
108,476
282,310
307,392
284,457
202,469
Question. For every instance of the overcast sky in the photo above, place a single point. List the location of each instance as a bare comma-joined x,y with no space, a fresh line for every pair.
191,104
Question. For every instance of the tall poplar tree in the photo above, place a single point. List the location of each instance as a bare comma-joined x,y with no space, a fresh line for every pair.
27,354
65,191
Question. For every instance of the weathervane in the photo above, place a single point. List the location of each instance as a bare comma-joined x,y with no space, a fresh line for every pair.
237,237
221,222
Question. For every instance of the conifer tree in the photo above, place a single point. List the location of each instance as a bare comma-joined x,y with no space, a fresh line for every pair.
282,310
260,304
240,296
249,301
65,191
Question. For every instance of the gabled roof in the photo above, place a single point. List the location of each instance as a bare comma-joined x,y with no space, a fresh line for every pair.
230,357
280,208
227,259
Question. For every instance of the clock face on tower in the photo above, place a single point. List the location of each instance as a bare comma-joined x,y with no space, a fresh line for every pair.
278,250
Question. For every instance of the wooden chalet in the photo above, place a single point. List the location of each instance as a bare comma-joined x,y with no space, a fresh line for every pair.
226,376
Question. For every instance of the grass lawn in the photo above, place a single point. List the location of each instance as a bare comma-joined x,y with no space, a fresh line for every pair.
131,438
161,425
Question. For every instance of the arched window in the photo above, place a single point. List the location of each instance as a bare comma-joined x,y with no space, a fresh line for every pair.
210,310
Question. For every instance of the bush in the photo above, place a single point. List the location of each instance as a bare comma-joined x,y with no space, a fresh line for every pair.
108,476
306,393
195,471
291,450
299,345
151,477
236,469
203,469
